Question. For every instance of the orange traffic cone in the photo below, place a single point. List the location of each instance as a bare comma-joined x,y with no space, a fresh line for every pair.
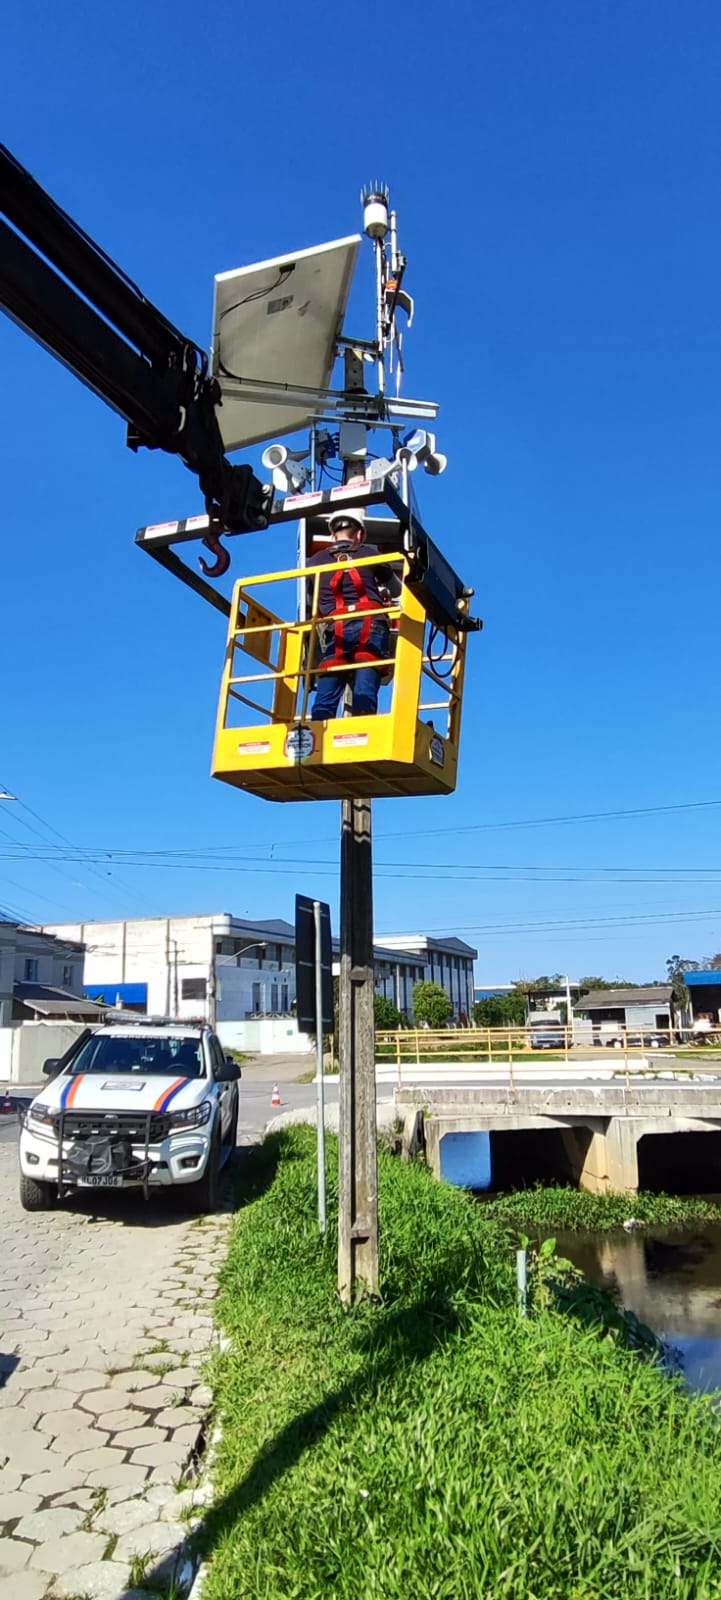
275,1097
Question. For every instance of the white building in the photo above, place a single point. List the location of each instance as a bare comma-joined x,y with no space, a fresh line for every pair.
241,975
214,966
447,962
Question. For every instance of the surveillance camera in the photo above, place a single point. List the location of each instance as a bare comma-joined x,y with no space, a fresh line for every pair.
275,456
422,447
285,465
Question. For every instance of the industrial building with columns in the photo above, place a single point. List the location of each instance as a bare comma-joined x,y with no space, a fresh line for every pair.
240,975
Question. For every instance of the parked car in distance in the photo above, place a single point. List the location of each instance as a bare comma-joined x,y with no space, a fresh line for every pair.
547,1038
151,1104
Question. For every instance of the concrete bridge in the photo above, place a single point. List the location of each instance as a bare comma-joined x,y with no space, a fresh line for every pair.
655,1134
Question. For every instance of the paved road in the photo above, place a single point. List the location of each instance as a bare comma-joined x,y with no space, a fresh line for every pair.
105,1322
257,1110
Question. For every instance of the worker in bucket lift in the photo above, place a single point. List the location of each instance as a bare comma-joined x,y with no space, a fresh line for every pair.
351,637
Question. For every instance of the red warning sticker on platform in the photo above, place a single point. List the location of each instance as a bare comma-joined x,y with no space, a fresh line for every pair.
259,748
302,500
350,738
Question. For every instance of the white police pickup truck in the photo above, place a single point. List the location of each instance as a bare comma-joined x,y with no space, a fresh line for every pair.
146,1104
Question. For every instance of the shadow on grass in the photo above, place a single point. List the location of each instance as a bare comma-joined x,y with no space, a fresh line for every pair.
410,1335
391,1340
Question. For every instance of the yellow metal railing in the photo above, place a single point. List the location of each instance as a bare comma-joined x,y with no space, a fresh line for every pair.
288,652
629,1053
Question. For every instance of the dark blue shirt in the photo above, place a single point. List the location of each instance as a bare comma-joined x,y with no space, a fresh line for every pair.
347,555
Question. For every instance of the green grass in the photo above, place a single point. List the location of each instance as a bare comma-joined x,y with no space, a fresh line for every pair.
572,1210
437,1445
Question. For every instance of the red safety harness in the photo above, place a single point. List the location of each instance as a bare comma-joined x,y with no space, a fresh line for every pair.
363,602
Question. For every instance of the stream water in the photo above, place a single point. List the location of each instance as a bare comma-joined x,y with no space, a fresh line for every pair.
671,1278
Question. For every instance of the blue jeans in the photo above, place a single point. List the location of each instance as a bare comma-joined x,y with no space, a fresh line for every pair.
365,683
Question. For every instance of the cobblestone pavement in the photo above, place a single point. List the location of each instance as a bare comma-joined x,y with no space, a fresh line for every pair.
105,1322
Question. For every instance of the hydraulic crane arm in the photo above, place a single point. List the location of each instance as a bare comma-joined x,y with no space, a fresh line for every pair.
61,288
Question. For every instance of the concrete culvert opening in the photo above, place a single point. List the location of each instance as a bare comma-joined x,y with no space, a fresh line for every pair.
680,1163
538,1155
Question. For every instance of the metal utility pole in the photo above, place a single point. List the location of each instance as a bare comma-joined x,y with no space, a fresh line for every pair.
358,1159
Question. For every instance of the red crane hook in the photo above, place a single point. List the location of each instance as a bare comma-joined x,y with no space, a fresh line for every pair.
222,557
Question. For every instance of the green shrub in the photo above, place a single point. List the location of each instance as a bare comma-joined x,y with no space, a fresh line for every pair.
431,1004
387,1016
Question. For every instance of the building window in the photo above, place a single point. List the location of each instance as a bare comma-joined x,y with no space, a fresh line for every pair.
284,1000
193,988
67,975
274,997
31,970
256,999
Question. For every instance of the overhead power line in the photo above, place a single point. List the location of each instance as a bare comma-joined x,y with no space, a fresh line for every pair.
536,822
78,856
436,871
659,918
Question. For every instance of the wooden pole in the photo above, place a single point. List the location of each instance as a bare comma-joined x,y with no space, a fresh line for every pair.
358,1272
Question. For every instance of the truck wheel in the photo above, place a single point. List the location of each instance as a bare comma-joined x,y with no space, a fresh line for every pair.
36,1196
203,1195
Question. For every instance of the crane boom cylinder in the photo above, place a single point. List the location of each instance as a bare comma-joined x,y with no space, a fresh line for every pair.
47,308
41,220
61,288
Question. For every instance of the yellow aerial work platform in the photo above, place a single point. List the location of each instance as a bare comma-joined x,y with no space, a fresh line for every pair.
266,740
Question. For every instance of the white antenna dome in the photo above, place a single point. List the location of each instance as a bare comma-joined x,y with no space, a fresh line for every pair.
374,201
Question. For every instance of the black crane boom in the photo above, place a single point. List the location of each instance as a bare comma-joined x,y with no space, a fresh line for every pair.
63,290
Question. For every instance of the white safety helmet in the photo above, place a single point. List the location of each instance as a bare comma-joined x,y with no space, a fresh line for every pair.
354,514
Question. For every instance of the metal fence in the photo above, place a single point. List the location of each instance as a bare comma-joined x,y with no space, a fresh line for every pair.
418,1054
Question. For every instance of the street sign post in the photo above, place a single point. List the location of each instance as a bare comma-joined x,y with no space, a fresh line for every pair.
314,1002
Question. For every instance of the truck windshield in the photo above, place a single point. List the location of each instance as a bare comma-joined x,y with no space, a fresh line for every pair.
162,1057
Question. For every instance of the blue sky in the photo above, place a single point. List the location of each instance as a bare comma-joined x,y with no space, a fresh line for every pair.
555,169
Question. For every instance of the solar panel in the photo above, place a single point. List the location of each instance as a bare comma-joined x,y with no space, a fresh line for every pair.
277,323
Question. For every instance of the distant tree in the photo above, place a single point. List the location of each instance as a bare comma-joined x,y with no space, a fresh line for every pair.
387,1016
680,964
676,969
556,980
431,1004
585,984
500,1011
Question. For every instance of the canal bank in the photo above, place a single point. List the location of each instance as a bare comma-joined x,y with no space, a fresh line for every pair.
436,1444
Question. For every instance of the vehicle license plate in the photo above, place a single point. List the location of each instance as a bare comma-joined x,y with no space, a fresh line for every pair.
100,1181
